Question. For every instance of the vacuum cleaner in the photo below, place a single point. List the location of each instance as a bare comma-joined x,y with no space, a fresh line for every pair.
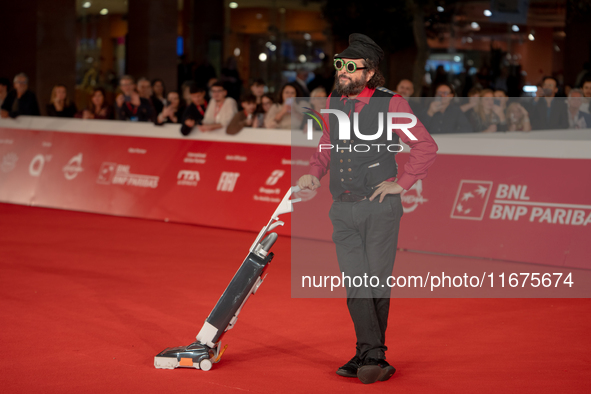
206,350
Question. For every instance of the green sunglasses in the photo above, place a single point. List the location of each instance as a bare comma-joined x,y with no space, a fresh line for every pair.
350,66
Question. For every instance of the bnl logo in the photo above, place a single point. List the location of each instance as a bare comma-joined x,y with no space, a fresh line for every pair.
345,124
227,181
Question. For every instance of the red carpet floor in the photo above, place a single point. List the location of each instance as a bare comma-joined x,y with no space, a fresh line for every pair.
87,300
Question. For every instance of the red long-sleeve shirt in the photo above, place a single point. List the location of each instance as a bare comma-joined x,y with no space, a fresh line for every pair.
422,151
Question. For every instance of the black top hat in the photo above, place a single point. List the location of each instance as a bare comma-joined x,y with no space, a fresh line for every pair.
362,47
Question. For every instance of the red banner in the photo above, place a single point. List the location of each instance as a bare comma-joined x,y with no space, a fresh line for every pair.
534,210
231,185
527,209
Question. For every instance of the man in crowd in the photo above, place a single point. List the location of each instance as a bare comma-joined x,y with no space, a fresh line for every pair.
244,118
144,88
548,112
443,115
576,118
367,208
129,104
20,101
301,80
405,88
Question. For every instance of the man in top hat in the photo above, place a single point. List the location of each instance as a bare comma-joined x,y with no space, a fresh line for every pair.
366,207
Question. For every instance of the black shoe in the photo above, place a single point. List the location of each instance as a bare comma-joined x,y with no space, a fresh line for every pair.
373,370
349,370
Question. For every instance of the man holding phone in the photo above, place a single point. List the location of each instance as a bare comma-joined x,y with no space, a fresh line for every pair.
130,106
443,115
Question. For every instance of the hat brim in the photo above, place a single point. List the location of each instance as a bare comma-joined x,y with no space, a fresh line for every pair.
350,53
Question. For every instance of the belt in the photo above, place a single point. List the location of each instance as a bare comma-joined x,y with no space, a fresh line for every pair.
349,197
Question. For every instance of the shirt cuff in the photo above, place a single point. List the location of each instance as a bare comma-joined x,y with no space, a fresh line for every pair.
406,181
317,172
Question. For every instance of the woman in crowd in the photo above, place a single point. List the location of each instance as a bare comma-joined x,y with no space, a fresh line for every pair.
173,112
158,97
98,108
279,116
266,104
517,118
443,115
501,99
220,110
488,117
59,104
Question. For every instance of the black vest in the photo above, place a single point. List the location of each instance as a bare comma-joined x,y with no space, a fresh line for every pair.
354,167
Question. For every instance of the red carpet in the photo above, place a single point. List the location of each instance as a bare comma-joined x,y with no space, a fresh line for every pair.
88,300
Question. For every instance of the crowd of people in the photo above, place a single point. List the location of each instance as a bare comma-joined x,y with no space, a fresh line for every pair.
209,108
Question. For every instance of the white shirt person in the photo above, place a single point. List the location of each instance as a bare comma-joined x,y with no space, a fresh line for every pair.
220,110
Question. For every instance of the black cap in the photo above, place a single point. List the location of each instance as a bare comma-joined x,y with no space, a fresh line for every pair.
362,47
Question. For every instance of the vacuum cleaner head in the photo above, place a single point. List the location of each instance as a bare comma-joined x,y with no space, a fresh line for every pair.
196,355
204,352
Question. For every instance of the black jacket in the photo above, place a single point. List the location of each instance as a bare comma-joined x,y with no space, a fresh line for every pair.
554,117
143,113
192,112
26,105
67,112
452,120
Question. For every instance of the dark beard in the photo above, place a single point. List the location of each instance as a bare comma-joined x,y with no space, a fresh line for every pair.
353,88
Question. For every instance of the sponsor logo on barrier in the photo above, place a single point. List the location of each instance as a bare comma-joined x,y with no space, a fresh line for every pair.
275,176
271,181
195,158
267,199
119,174
106,173
227,181
413,197
139,151
471,199
37,164
236,158
187,178
289,162
73,167
512,203
264,190
9,162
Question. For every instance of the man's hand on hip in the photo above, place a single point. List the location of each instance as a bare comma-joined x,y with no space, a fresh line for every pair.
386,188
309,182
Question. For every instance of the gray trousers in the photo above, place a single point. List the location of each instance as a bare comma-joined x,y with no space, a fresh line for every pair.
366,236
